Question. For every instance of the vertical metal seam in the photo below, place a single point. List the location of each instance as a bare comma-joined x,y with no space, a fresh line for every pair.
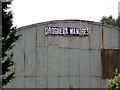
100,68
0,41
102,38
89,57
69,65
79,70
24,60
59,67
36,60
118,39
90,66
47,65
109,40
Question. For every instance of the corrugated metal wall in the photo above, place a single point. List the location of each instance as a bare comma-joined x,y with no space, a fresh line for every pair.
59,61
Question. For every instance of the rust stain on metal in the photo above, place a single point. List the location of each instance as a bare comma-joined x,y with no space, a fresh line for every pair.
102,39
71,38
110,59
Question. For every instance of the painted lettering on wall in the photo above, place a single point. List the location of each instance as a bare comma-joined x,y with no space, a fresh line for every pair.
66,31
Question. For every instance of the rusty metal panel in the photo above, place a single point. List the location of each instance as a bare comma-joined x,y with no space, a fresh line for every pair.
110,59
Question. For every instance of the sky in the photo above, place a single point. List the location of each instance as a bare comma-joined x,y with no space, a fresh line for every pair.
28,12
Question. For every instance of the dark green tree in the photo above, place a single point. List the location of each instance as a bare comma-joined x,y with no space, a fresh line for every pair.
111,21
9,37
118,21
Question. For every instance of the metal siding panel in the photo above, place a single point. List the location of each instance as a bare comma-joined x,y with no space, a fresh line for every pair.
53,40
95,37
64,42
106,37
64,62
84,43
30,52
74,42
78,42
52,82
18,82
85,82
74,62
41,38
84,63
30,82
95,82
95,62
53,59
113,39
42,61
64,82
41,82
19,62
74,81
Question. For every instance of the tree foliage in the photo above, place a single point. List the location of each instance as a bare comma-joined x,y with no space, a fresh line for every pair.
9,37
115,82
111,21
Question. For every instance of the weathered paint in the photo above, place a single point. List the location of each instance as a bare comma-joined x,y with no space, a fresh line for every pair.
102,39
110,61
60,61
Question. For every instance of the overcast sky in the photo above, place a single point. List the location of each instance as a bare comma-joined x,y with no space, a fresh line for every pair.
35,11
